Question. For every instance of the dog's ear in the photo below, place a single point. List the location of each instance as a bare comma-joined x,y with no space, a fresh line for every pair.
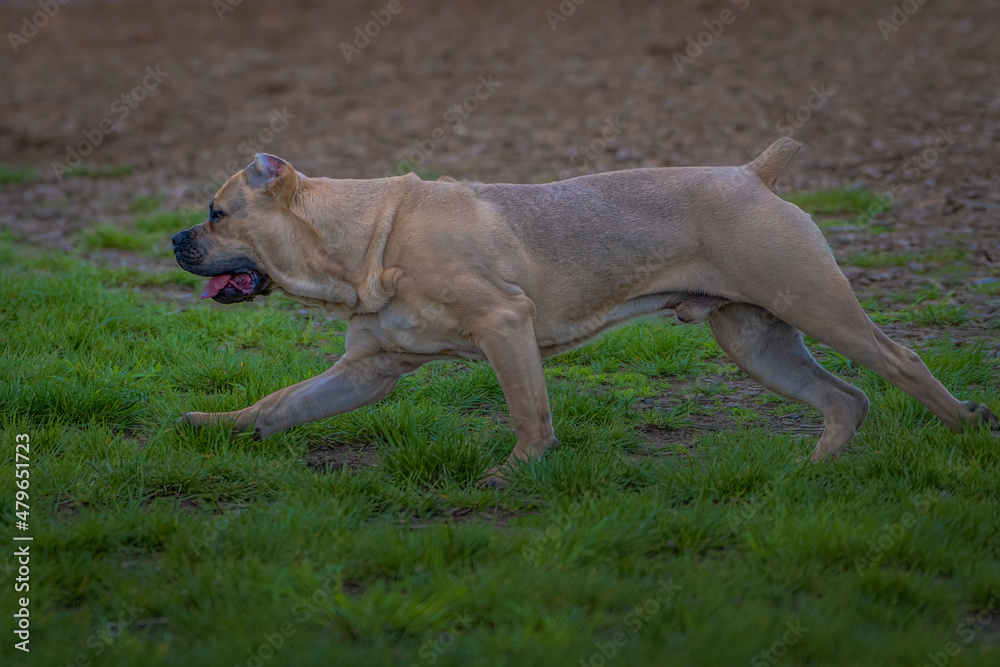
276,176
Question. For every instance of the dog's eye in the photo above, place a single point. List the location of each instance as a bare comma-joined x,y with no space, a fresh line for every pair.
215,215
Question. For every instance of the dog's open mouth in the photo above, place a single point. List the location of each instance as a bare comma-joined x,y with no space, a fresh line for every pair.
232,287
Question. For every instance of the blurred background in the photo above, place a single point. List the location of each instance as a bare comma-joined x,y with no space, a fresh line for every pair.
107,102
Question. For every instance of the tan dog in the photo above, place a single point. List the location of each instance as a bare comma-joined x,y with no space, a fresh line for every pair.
514,273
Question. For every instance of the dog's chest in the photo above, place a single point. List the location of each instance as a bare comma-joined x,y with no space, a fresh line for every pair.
425,330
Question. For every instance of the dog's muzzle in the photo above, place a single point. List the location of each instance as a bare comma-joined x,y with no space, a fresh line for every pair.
237,280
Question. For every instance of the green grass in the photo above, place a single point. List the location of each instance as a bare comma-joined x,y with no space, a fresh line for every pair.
891,259
150,234
829,206
9,174
839,224
425,173
146,204
87,170
987,288
927,307
838,201
942,314
159,546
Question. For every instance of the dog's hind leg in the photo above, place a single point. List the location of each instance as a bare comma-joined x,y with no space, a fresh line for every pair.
770,351
820,303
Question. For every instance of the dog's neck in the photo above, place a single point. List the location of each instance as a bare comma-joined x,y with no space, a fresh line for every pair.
350,222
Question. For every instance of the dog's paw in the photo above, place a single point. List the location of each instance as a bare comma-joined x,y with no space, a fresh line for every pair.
197,419
981,415
820,456
193,419
185,420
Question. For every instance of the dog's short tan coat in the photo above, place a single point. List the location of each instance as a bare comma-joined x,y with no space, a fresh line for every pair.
514,273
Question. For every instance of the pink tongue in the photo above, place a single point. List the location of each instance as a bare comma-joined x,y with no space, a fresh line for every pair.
215,285
243,282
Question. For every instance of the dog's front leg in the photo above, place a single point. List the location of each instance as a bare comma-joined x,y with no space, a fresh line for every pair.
351,383
508,341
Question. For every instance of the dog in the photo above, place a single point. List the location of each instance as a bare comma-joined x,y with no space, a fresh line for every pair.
430,270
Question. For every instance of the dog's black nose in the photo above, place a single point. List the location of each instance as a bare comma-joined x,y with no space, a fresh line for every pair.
179,237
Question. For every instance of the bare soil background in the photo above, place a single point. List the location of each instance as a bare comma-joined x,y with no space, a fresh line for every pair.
867,100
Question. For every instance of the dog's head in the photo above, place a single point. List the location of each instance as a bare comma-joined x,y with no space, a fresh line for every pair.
249,222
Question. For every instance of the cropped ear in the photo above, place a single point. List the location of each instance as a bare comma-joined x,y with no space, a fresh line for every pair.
276,176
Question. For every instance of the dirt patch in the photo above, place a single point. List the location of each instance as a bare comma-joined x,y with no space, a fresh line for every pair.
921,336
662,441
723,402
67,508
177,502
354,588
338,456
497,517
983,624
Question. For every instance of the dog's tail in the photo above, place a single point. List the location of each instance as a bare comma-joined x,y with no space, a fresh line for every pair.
769,164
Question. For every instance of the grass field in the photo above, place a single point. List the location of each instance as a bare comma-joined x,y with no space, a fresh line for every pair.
649,537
